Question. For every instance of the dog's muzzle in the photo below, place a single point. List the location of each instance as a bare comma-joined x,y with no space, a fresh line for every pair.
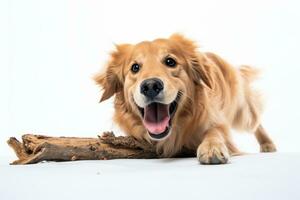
157,116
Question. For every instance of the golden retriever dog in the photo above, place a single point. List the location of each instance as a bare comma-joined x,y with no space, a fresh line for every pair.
174,96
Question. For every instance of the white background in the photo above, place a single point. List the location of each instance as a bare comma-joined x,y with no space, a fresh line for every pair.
51,49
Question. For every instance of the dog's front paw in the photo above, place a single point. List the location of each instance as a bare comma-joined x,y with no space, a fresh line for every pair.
212,153
267,147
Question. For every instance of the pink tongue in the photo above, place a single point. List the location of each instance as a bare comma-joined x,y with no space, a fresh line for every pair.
156,118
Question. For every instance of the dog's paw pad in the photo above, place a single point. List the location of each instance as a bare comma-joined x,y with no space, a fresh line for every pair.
267,147
212,153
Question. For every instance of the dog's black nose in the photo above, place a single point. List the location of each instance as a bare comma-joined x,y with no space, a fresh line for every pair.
151,87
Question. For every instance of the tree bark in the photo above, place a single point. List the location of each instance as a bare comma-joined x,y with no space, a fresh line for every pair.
37,148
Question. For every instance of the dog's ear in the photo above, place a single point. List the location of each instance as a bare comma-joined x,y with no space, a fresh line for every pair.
200,71
198,67
112,79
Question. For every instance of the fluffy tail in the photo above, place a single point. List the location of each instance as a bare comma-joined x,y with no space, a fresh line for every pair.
249,73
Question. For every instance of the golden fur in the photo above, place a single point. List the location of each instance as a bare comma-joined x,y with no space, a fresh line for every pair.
215,97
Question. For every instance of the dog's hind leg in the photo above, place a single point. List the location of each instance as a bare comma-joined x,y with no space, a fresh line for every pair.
265,142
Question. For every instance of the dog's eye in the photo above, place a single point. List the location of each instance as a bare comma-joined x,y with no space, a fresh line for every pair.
135,68
170,62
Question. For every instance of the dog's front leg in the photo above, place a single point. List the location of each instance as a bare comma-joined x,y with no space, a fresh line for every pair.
213,149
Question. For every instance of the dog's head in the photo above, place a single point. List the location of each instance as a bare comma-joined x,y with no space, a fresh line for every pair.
156,78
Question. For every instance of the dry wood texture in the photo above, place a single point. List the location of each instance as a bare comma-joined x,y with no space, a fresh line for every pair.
37,148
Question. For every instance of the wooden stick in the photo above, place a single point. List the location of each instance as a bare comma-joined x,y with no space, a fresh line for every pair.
37,148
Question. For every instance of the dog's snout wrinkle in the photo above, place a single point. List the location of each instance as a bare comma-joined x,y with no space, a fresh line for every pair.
151,87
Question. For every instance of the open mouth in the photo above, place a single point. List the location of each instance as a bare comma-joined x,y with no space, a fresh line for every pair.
157,118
